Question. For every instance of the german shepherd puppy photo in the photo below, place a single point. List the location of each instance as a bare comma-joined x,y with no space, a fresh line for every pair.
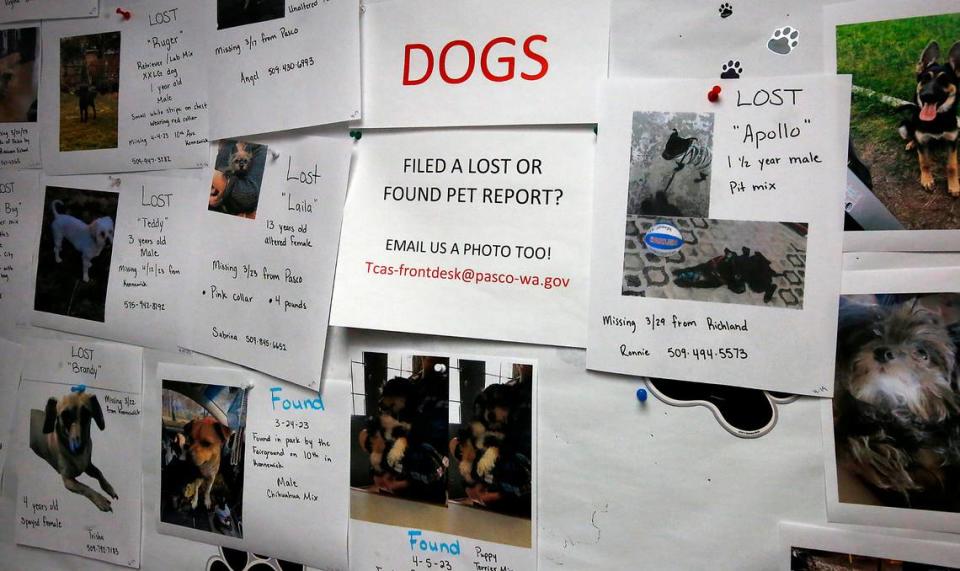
934,113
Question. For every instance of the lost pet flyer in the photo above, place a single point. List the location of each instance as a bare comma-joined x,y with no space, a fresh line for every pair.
19,209
78,427
454,231
125,95
18,10
112,254
281,65
717,231
283,453
260,289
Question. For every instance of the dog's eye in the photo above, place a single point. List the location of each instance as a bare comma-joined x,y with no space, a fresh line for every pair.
922,354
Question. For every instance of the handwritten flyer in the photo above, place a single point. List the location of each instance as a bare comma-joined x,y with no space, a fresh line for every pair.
78,427
19,86
717,231
282,453
480,62
261,285
11,355
17,10
113,255
451,231
277,66
20,206
125,95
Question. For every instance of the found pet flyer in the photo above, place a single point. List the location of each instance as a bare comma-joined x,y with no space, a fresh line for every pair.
78,424
733,231
125,94
450,230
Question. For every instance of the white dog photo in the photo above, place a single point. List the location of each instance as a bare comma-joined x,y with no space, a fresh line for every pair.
89,239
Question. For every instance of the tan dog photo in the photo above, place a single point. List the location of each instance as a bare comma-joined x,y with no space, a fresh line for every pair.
60,434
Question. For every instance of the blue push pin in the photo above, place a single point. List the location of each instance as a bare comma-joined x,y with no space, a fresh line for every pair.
78,389
642,395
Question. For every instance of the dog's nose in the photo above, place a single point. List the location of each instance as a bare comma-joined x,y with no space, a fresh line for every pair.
883,354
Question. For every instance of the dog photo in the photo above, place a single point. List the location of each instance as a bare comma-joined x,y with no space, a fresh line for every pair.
19,74
237,176
903,120
896,406
201,464
89,92
231,13
670,159
721,261
76,243
804,559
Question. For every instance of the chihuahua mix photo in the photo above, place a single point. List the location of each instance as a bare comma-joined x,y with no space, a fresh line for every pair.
88,239
60,434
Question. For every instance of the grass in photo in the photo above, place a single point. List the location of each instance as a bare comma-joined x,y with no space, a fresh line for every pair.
231,13
721,261
19,74
237,176
903,115
76,244
89,92
202,446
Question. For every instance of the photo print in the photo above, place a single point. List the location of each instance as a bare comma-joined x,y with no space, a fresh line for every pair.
237,176
670,159
76,245
231,13
454,433
805,559
721,261
202,449
19,74
89,91
896,410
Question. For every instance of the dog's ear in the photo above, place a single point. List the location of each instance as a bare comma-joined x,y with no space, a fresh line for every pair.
953,58
96,411
930,55
50,415
223,430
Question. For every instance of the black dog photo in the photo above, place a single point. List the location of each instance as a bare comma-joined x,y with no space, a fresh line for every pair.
903,121
896,407
232,13
19,74
201,467
237,176
76,243
89,92
670,158
722,261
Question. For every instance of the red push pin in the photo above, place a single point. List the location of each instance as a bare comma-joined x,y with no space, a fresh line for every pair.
125,13
714,95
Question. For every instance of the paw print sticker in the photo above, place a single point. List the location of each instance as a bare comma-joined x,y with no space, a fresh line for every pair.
784,40
731,70
726,10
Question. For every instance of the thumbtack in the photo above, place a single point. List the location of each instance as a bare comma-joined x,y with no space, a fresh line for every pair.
356,134
714,95
125,13
78,389
642,395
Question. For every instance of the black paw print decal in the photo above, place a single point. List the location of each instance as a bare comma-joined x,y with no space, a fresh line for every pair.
731,70
747,413
726,10
784,40
233,560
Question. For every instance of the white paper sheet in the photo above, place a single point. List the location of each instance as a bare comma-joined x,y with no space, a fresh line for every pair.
48,515
853,33
135,289
430,63
261,286
146,79
702,38
754,200
19,130
294,465
895,325
21,203
452,232
17,10
11,355
281,65
798,540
